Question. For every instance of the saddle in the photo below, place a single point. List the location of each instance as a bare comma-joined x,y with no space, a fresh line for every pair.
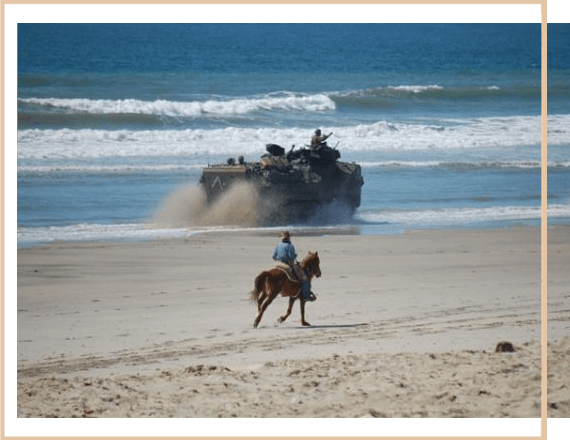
288,270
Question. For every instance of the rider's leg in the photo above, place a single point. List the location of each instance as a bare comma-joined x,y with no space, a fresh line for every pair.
305,284
306,291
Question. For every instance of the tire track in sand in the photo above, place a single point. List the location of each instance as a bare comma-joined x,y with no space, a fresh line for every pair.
472,318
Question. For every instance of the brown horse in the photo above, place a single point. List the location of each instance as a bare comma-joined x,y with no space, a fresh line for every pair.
270,283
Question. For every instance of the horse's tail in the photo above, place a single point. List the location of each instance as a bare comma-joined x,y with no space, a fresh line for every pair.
258,286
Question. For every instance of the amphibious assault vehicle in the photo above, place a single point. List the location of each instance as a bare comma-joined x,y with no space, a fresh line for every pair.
303,184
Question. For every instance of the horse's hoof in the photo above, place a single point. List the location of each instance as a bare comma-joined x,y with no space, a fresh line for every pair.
306,324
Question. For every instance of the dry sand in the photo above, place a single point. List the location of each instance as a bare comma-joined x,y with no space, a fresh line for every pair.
404,326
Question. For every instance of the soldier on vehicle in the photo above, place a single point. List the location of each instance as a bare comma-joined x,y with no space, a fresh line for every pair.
319,141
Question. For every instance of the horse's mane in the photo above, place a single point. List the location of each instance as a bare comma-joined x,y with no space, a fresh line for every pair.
310,256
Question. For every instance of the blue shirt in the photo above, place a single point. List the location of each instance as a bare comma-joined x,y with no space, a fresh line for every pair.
285,252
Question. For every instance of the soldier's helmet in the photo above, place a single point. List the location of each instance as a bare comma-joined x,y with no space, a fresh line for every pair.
318,132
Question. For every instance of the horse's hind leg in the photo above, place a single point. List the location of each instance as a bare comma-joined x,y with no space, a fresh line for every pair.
289,308
303,322
260,299
268,300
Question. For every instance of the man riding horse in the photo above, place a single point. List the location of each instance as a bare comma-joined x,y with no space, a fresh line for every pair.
278,280
285,253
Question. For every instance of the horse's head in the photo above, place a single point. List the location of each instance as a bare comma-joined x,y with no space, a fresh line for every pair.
312,264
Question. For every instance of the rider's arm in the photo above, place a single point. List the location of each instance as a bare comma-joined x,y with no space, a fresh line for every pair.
276,253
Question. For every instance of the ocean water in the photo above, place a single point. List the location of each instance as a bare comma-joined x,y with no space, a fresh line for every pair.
116,122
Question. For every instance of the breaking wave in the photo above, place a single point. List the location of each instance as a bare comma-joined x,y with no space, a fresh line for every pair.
382,136
214,107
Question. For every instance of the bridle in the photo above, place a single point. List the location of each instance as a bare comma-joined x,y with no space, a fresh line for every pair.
309,269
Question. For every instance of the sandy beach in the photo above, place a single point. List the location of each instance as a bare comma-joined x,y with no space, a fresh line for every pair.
404,326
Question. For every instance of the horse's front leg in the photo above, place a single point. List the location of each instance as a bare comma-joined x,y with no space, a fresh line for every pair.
303,322
289,308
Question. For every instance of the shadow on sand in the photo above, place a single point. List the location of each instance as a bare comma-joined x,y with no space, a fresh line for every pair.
337,325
